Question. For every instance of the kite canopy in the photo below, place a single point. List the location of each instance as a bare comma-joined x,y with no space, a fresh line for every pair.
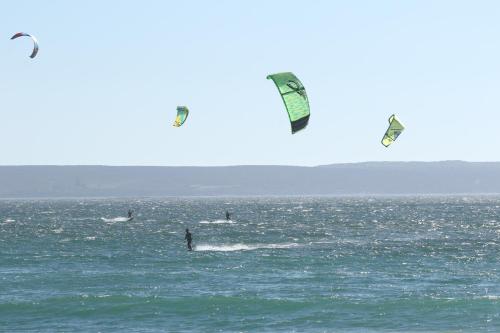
295,98
182,114
35,42
394,130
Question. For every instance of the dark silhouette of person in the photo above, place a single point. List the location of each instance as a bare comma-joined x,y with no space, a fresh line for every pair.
189,239
130,212
228,216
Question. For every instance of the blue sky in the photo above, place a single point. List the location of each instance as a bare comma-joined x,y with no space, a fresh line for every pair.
109,75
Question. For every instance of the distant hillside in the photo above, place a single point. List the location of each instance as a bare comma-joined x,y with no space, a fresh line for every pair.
450,177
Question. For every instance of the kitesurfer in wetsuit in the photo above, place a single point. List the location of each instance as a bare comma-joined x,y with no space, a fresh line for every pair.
189,239
228,216
130,212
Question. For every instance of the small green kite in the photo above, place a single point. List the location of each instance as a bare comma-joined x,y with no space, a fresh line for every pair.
295,98
182,114
394,130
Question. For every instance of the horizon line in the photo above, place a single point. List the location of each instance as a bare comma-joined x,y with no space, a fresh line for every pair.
246,165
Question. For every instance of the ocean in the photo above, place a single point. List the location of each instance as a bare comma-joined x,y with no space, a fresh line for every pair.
282,264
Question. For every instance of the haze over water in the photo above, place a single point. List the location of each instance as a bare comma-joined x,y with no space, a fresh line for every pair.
422,264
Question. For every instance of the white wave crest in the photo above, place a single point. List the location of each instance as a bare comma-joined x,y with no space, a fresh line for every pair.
242,247
490,297
116,219
217,222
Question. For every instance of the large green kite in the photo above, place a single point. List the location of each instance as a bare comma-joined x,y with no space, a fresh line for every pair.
182,114
295,98
394,130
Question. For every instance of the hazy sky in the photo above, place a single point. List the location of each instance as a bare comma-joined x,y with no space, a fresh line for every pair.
109,75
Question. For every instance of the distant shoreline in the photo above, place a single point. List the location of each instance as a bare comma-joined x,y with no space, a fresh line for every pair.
335,180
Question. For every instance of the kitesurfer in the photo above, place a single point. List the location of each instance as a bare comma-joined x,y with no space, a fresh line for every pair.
129,214
228,216
189,239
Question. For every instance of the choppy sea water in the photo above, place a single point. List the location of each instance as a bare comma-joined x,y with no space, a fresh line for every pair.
409,264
